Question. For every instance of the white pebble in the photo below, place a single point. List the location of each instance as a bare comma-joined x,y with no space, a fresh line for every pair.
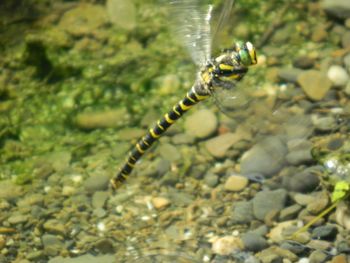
304,260
338,75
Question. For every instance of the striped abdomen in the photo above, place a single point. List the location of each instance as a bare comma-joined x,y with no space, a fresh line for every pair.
192,97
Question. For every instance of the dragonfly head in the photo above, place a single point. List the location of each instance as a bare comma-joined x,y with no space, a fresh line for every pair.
246,53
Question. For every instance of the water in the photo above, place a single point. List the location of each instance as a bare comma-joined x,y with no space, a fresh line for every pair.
80,84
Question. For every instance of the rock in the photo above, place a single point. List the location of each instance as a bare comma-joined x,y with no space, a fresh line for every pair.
99,199
281,231
219,145
326,123
289,74
290,212
52,244
340,259
303,62
169,152
236,183
342,216
347,62
160,203
183,138
243,212
103,119
227,245
166,84
345,40
302,182
88,258
338,8
265,158
273,253
105,246
299,127
10,191
299,151
253,242
96,183
314,84
211,179
201,124
327,232
318,256
267,201
54,226
122,13
83,19
295,248
338,75
15,219
320,203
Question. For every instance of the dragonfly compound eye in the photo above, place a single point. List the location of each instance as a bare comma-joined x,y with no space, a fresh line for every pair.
246,53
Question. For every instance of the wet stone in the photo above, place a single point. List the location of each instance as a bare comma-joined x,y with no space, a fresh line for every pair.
294,247
211,179
318,256
15,219
302,182
266,158
327,232
54,226
96,183
290,212
289,74
183,138
9,190
338,75
88,258
105,246
303,62
243,212
169,152
227,245
254,242
201,124
314,84
339,8
52,244
274,253
99,199
122,13
299,151
219,145
266,201
327,123
236,183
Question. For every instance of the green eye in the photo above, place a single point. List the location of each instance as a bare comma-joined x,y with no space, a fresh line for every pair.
245,57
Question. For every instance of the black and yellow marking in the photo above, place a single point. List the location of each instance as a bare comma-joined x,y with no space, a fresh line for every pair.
195,95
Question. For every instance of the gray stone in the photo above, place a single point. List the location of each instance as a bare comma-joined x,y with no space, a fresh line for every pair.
88,258
303,182
169,152
52,244
54,226
211,179
289,74
315,84
327,232
338,8
243,212
99,199
96,183
299,151
338,75
254,242
267,201
327,123
266,158
201,124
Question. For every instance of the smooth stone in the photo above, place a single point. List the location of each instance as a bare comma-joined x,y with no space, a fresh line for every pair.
182,138
303,199
303,62
88,258
340,259
242,212
17,219
338,75
236,183
314,84
289,74
105,246
273,253
320,203
279,232
9,190
266,201
254,242
99,199
347,62
54,226
345,40
290,212
169,152
129,134
227,245
298,127
211,179
339,8
295,247
219,145
302,182
266,157
201,124
166,84
342,216
53,245
160,203
96,183
318,256
327,123
299,151
104,119
327,232
122,13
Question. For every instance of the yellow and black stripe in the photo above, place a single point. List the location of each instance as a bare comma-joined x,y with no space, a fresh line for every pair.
195,95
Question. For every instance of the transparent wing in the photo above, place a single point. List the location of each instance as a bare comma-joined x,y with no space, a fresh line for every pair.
222,21
192,26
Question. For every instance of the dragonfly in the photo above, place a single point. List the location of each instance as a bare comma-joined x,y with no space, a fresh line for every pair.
223,72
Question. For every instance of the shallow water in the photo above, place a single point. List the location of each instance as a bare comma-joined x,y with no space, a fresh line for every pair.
80,84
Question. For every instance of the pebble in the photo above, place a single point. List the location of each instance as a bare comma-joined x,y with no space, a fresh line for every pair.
315,84
299,127
320,202
88,258
169,152
339,8
9,190
299,151
266,158
303,62
317,256
302,182
227,245
96,183
219,145
295,247
99,199
53,245
122,13
340,259
279,232
253,242
211,179
201,124
273,253
338,75
289,74
347,62
342,215
160,203
54,226
104,119
15,219
267,201
326,123
290,212
236,183
243,212
327,232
